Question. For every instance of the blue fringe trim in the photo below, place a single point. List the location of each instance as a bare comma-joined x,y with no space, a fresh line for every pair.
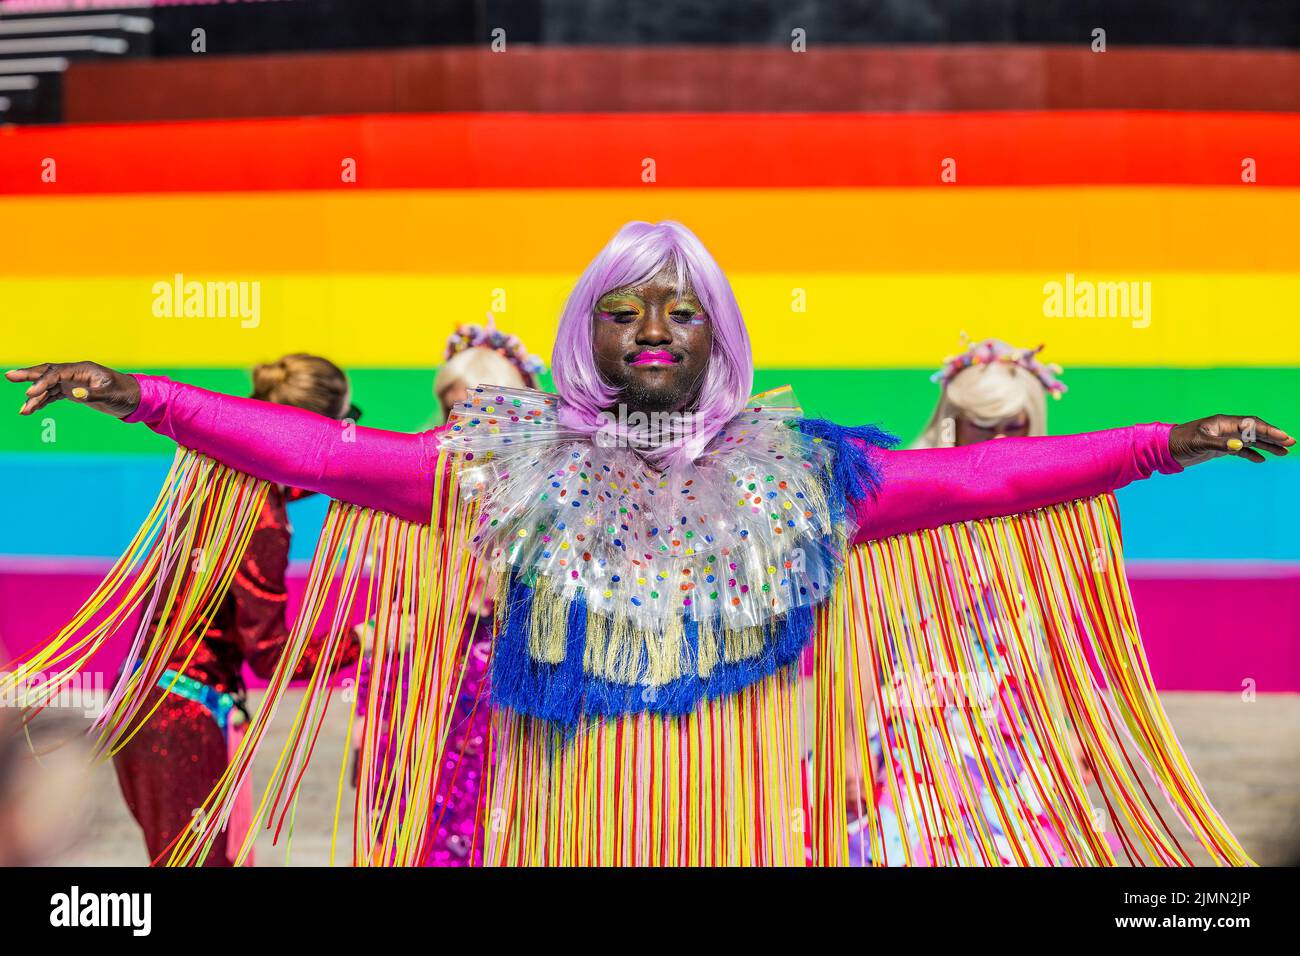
552,692
563,694
855,474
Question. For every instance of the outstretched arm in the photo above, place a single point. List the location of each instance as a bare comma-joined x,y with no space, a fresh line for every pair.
388,471
926,488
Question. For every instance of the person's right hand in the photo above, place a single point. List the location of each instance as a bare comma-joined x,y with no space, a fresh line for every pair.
82,382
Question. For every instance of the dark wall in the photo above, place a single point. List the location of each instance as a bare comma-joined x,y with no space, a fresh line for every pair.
361,24
1198,22
1022,34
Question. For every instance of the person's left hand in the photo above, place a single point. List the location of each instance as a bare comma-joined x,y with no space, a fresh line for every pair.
1219,435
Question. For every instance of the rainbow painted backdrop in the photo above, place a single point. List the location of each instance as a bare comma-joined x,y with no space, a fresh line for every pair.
857,266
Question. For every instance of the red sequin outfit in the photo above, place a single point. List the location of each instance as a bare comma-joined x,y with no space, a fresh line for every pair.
172,763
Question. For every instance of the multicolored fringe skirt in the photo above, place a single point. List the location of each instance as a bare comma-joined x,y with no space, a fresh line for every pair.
754,776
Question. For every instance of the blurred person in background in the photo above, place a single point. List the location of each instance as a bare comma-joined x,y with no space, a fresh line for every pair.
170,765
989,391
474,355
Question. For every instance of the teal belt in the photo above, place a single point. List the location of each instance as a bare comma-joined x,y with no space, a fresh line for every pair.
219,704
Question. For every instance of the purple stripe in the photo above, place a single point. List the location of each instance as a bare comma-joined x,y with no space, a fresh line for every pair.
40,595
1191,570
1206,626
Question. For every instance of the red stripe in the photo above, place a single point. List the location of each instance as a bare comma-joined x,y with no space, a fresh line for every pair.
464,151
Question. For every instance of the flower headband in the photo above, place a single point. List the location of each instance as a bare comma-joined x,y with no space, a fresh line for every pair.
995,350
474,336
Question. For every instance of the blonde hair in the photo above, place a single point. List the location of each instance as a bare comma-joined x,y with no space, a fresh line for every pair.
304,381
477,366
986,394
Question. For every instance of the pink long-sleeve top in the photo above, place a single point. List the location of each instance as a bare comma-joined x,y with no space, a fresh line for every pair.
392,471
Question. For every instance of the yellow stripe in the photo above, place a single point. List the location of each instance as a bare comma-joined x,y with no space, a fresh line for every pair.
851,321
491,232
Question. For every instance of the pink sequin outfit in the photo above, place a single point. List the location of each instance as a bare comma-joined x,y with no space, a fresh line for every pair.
457,824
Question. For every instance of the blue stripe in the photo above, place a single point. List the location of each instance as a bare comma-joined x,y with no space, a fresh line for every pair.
90,505
69,505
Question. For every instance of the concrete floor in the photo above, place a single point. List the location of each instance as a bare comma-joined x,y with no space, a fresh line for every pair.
1246,754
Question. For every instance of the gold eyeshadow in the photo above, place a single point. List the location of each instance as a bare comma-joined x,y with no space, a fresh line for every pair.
688,302
612,302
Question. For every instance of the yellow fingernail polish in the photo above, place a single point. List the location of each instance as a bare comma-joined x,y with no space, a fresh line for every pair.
1234,444
80,392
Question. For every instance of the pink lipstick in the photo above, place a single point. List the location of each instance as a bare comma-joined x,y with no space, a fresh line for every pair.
654,357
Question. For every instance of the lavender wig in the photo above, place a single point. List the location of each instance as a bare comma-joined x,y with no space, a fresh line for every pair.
637,252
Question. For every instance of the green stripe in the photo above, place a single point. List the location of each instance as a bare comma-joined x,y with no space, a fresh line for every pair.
902,400
898,399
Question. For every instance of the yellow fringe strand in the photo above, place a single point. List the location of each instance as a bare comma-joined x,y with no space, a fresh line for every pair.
720,787
1043,596
415,595
980,771
178,568
977,652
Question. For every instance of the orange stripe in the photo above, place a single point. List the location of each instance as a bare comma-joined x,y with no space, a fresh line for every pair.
494,233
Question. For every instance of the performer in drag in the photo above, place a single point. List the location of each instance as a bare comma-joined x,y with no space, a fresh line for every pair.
668,548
